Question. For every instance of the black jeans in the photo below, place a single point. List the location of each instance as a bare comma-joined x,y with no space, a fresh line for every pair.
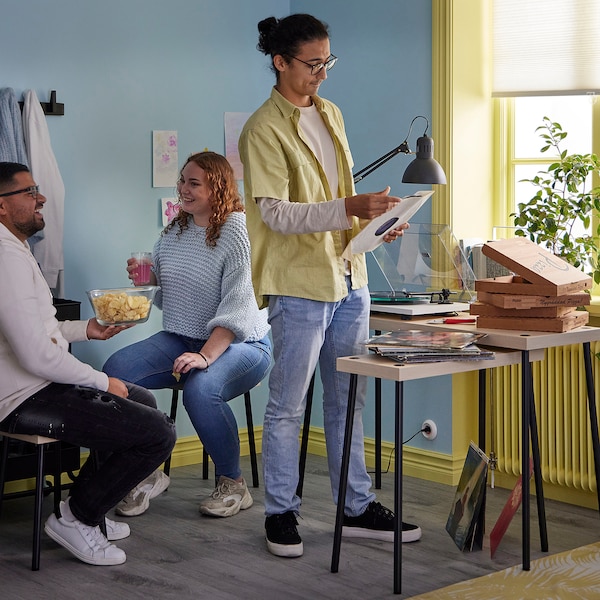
133,437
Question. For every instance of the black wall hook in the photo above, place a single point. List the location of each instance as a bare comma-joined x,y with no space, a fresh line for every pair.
52,108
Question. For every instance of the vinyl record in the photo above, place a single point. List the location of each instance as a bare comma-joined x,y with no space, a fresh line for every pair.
397,298
372,235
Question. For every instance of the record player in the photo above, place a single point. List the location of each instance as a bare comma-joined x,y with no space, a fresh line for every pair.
424,272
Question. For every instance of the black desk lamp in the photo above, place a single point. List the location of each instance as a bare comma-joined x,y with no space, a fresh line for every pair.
423,169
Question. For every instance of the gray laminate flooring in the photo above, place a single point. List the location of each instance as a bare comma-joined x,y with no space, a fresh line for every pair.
175,553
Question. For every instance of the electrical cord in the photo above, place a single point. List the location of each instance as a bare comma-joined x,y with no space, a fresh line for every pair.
425,429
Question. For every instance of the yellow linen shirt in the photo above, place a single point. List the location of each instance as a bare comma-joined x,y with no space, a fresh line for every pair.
278,163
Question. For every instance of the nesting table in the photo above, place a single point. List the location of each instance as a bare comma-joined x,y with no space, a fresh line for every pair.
510,347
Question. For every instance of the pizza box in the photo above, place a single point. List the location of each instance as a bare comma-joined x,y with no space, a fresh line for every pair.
537,266
521,301
515,284
555,324
489,310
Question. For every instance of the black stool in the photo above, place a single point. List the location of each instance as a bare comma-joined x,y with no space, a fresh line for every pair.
249,424
41,443
251,438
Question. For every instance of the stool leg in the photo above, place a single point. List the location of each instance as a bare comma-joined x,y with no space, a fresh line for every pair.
37,517
305,434
57,476
96,463
173,415
251,440
205,459
3,460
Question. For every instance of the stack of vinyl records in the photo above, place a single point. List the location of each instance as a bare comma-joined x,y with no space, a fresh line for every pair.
417,346
545,294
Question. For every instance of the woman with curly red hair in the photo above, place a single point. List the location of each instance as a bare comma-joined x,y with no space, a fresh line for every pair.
214,338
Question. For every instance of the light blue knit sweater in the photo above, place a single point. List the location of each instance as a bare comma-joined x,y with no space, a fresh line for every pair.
204,287
12,142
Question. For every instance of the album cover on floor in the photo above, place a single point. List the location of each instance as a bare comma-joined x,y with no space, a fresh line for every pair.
508,512
467,516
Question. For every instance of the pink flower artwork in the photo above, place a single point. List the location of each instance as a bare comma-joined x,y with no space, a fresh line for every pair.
164,158
170,208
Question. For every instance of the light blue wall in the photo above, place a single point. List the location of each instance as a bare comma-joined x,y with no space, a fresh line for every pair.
124,68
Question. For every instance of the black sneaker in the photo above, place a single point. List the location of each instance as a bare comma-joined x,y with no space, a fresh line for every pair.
377,523
282,535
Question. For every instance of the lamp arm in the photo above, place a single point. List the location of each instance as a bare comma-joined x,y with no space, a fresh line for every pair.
401,149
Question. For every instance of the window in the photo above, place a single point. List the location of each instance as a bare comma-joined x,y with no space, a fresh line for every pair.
579,116
522,143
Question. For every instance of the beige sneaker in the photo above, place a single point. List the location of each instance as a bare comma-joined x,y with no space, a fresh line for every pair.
138,499
227,499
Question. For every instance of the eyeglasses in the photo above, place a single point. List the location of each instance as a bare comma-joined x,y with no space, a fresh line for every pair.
314,69
33,191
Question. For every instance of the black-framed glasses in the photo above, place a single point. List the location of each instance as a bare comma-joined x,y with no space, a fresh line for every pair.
314,69
32,190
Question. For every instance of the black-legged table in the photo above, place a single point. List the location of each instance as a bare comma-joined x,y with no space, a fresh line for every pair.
385,368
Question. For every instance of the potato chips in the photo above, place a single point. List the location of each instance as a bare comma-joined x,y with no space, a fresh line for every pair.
120,307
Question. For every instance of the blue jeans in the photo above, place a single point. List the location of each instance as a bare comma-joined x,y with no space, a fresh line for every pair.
306,332
205,392
133,437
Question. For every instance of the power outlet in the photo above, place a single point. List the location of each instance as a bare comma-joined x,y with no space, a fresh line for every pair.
429,430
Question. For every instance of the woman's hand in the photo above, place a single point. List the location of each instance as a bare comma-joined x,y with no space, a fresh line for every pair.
188,361
132,271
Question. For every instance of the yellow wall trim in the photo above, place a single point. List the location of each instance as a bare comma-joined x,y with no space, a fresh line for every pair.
419,463
424,464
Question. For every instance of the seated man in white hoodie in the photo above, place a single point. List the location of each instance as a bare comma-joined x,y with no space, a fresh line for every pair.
45,390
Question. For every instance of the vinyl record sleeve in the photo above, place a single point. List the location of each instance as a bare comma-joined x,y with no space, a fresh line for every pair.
466,520
372,235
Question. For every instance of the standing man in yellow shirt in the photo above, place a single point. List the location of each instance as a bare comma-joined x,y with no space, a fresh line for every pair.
301,212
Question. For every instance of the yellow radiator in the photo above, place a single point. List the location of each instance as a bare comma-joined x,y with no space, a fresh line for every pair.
562,414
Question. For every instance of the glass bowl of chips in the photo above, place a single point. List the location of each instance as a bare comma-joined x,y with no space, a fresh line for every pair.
123,306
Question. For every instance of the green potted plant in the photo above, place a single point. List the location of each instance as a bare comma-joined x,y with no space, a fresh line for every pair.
560,215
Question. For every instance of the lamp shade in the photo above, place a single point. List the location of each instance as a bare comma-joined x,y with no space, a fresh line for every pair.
424,168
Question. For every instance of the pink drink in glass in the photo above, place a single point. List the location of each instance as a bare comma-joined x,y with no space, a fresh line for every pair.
144,262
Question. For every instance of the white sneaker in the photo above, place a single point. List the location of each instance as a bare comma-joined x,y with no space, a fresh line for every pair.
138,499
116,530
83,541
227,499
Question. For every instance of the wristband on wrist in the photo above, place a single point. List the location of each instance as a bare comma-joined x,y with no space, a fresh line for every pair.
205,359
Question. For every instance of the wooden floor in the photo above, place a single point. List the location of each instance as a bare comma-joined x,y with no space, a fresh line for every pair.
174,552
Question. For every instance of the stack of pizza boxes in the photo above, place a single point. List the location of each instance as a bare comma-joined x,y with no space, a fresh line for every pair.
544,294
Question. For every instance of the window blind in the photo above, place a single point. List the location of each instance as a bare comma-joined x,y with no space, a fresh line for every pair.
546,47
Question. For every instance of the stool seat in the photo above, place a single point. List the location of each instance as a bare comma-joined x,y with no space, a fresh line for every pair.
31,439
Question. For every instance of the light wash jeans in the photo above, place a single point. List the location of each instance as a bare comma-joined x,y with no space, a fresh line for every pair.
206,392
306,332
